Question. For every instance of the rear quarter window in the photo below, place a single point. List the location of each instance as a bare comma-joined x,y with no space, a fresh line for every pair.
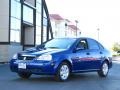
92,44
101,46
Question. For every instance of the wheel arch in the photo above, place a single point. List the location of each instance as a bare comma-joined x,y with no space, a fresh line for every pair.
57,74
67,61
106,60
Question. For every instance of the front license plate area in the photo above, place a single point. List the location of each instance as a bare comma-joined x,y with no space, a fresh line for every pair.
22,65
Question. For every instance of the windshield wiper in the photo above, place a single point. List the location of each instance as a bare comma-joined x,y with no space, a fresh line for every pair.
40,48
53,47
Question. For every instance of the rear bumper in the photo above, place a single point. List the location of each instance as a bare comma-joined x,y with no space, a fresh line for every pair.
33,67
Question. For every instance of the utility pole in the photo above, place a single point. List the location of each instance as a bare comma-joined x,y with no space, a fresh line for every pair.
65,29
76,26
98,29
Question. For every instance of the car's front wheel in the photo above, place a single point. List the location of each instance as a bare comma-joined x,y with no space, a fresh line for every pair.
104,70
24,75
63,72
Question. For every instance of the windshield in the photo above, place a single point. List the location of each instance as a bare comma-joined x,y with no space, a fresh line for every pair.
63,43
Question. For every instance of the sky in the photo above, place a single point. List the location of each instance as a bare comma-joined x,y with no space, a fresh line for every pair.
91,15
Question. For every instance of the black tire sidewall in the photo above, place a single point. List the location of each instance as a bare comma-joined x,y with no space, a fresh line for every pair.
101,72
58,77
102,69
24,75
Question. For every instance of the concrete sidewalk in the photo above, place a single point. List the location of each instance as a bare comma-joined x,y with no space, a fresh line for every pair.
117,58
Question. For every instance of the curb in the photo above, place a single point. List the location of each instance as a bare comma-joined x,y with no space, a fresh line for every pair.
4,63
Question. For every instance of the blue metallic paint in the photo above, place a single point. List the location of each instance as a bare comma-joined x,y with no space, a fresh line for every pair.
78,60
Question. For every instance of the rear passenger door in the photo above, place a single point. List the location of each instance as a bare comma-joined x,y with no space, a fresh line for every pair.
87,55
95,54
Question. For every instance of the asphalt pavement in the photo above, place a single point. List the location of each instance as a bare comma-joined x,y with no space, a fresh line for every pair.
82,81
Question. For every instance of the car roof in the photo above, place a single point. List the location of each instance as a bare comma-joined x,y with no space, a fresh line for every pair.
75,38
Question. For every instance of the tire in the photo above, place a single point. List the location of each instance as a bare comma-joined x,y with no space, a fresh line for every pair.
24,75
103,72
63,72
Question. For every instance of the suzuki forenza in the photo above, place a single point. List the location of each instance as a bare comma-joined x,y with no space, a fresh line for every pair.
61,57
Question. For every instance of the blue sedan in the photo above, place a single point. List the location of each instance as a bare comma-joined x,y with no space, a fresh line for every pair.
61,57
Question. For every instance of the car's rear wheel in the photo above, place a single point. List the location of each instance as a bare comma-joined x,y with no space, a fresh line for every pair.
103,72
63,72
24,75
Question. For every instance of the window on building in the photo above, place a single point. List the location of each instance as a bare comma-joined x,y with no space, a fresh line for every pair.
44,13
38,22
15,23
45,21
38,7
15,36
44,18
17,0
39,1
15,30
28,14
38,19
15,9
44,26
38,35
44,33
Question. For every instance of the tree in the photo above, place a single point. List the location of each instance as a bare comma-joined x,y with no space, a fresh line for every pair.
116,47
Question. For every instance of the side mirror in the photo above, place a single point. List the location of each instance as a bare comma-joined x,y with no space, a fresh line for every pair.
77,49
80,48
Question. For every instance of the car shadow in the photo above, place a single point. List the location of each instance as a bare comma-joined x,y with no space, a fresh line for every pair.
74,77
35,78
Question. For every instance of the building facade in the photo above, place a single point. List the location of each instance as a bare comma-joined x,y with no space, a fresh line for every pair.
23,24
63,27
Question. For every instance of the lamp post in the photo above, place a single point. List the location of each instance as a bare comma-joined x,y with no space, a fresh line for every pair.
65,29
98,29
76,26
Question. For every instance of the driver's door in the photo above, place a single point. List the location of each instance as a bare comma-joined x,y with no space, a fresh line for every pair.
81,56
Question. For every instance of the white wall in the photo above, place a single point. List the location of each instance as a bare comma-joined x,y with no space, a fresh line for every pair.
7,51
4,20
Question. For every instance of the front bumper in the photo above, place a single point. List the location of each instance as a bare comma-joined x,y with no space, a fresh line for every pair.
33,67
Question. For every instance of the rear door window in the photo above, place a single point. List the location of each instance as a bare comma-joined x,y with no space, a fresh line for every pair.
92,44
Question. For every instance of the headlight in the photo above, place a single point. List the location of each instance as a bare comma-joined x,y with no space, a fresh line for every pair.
46,57
14,56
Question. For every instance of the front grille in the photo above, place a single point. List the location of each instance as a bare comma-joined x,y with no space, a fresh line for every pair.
25,57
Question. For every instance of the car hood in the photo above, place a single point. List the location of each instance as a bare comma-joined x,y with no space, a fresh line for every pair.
36,52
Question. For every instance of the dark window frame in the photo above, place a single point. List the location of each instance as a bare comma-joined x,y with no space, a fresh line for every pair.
86,43
49,33
89,40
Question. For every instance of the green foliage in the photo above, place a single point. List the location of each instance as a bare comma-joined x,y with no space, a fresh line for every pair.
116,47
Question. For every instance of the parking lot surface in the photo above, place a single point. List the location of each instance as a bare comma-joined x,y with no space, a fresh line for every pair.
82,81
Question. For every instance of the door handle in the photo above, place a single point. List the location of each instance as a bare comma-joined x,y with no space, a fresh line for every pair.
88,53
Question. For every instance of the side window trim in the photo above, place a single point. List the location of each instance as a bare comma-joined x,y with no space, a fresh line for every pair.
85,42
